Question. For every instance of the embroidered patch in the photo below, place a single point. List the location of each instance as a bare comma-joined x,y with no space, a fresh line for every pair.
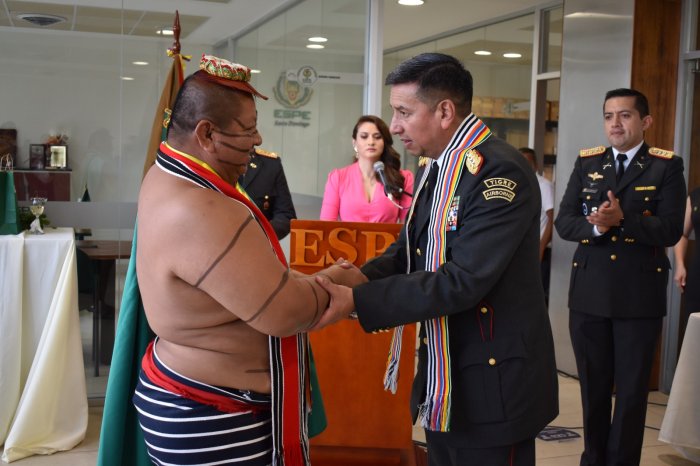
660,153
645,188
499,188
474,161
592,151
452,215
595,176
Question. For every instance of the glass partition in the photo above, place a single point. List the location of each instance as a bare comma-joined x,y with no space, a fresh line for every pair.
89,84
316,94
499,57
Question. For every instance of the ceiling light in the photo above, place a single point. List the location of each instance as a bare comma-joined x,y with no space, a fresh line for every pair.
512,55
482,52
127,78
165,31
139,63
318,39
411,2
40,19
315,46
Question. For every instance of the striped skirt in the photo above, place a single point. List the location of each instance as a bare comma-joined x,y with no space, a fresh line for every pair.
182,431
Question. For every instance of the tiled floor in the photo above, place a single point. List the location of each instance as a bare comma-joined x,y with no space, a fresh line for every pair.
552,453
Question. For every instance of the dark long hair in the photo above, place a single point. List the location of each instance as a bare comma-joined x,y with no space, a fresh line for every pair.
391,158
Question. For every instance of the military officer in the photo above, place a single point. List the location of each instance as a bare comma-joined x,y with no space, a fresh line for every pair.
265,183
624,205
466,266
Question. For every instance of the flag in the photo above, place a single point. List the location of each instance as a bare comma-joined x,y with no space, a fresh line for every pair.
173,82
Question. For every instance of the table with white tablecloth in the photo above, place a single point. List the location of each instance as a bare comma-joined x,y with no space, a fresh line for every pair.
43,399
681,424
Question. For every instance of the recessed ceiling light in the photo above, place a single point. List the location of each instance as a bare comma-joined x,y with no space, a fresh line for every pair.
139,63
254,71
315,46
40,19
127,78
411,2
512,55
165,31
482,52
318,39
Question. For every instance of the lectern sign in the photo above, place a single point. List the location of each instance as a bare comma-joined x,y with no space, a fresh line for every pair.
316,245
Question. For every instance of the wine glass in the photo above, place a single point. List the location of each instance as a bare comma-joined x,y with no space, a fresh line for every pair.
37,208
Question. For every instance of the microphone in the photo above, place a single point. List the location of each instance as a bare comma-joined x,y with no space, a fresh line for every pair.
379,170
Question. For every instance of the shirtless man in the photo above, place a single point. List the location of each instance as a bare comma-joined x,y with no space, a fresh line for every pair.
207,390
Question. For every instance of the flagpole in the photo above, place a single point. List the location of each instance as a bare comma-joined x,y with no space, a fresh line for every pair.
171,87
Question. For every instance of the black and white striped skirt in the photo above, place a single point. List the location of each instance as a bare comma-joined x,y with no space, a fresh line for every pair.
181,431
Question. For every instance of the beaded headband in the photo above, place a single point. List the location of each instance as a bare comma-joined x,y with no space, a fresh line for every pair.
227,74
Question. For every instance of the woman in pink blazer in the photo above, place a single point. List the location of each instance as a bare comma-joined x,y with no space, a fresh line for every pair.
355,193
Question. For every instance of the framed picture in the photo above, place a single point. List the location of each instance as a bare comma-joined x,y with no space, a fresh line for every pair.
8,144
59,156
37,156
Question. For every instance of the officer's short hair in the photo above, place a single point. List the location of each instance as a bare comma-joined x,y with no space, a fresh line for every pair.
640,100
439,77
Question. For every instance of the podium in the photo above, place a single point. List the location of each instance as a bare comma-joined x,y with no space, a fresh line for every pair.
366,424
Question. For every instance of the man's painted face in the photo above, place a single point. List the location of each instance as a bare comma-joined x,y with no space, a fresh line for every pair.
239,138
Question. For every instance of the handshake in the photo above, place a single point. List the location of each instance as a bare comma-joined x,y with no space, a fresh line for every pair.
338,281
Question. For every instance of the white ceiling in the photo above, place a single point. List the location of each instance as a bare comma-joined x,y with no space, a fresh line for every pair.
211,21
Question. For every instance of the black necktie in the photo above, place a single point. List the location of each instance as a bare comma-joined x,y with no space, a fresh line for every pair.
620,166
429,186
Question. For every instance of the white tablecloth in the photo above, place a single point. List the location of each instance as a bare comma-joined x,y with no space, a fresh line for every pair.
681,425
43,400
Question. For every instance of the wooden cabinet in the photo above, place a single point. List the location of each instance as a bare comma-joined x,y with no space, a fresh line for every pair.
51,184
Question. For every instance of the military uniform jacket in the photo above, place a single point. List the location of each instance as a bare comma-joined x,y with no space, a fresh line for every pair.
503,370
623,273
266,185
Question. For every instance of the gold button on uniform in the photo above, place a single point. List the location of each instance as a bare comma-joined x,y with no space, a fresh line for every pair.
614,238
588,198
575,264
613,257
646,199
425,340
484,310
418,251
659,269
492,362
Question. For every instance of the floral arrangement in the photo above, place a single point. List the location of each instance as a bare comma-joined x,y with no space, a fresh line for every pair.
57,140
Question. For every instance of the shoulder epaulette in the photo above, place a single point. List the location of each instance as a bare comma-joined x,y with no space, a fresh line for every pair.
265,153
661,153
592,151
423,161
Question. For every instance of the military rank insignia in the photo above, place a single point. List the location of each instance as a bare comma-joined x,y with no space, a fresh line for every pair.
499,188
660,153
592,151
474,161
452,215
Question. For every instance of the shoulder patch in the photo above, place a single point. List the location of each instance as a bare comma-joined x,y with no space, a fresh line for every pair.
423,161
592,151
661,153
265,153
474,161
